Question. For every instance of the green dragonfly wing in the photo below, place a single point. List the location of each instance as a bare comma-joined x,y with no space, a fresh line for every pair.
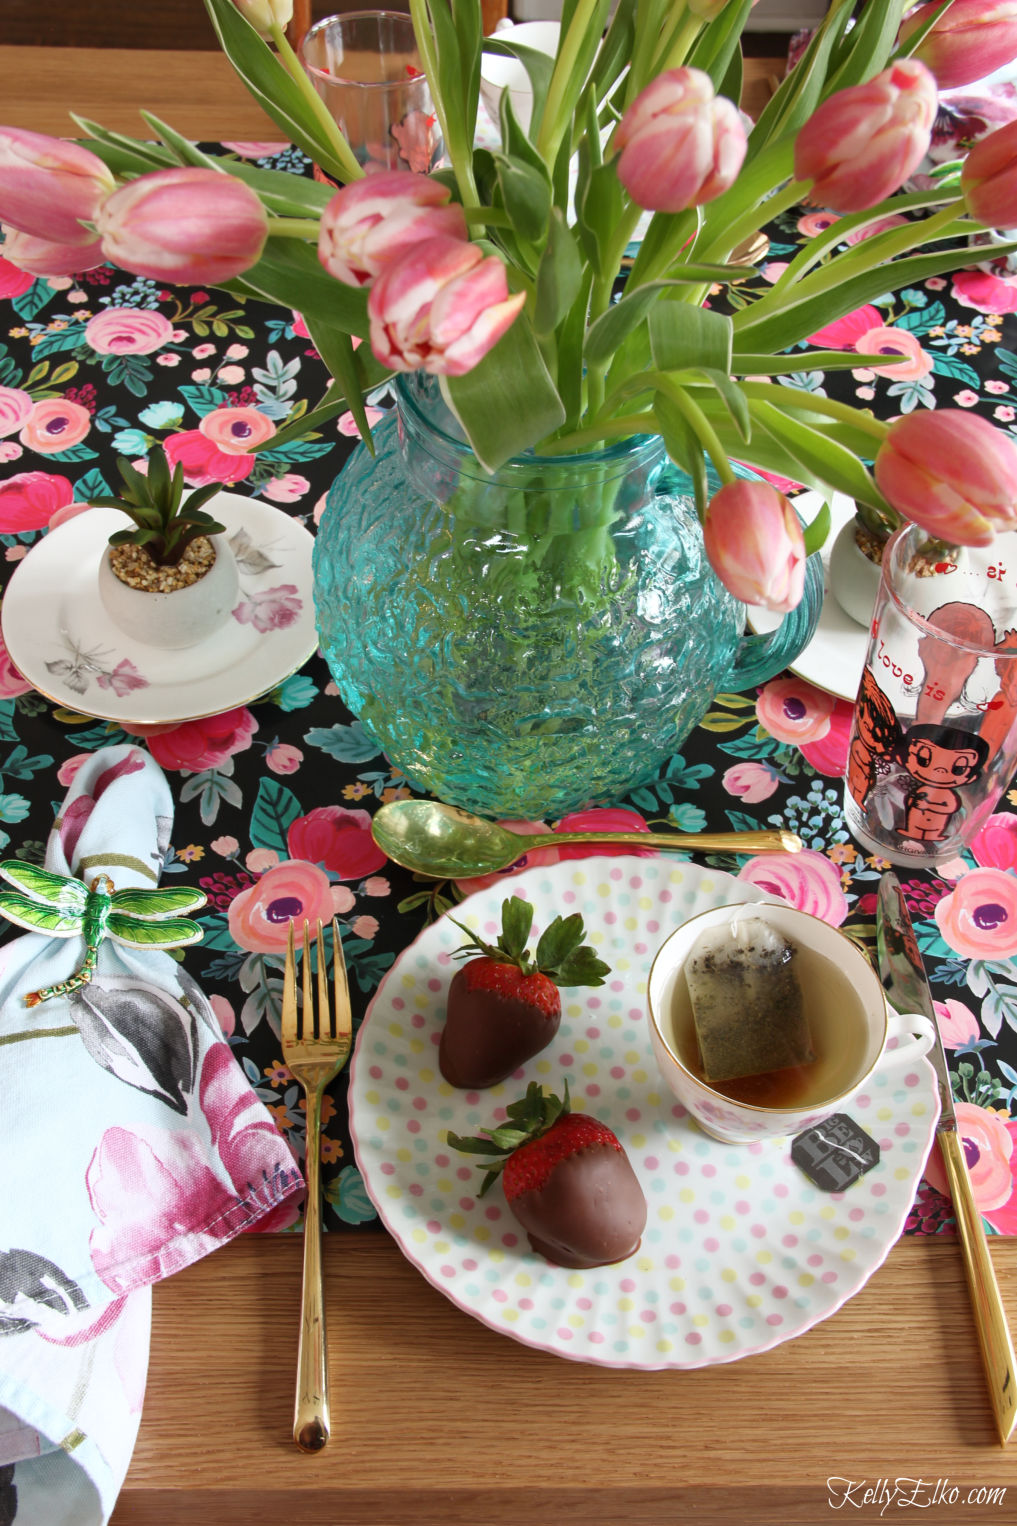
68,895
35,918
151,905
169,934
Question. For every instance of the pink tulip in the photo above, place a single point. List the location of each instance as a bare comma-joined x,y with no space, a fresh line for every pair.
861,144
49,186
41,257
972,39
951,472
989,178
373,221
679,144
755,544
440,308
183,225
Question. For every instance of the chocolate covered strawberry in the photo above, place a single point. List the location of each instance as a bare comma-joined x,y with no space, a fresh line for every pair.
503,1005
566,1179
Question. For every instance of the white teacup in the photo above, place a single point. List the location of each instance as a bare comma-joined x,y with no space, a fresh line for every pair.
850,1023
499,72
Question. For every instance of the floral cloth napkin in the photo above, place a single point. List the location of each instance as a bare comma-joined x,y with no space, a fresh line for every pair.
132,1145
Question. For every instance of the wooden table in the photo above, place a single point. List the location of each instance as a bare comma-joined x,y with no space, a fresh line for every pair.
436,1419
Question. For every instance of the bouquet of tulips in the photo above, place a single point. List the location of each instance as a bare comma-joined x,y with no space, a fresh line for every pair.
498,272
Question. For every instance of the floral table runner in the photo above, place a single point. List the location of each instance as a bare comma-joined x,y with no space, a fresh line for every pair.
274,798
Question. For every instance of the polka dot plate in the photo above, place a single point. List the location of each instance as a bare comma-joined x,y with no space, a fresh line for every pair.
740,1251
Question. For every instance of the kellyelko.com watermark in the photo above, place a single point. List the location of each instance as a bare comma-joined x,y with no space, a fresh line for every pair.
900,1493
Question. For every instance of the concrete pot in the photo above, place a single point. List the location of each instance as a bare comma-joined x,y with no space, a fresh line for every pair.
186,616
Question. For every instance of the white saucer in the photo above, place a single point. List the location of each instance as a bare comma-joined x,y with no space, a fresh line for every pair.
834,658
62,641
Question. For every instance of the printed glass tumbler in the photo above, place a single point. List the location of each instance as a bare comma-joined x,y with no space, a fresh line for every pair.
934,737
366,68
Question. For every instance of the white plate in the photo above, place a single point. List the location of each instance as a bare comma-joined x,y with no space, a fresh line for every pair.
740,1251
61,639
834,658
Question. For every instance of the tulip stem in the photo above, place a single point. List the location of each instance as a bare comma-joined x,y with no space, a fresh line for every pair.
460,153
622,427
295,69
307,228
696,420
555,122
751,220
676,48
861,259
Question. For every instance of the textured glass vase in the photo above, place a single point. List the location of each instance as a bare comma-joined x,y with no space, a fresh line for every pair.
526,642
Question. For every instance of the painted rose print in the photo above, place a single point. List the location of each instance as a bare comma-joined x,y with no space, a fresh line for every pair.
979,918
260,917
206,743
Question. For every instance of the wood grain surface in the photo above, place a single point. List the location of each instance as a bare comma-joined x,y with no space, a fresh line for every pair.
197,93
439,1421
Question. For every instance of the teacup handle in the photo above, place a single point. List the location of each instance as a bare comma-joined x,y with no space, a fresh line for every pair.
914,1033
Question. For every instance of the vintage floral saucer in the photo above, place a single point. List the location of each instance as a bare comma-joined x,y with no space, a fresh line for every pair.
61,639
740,1250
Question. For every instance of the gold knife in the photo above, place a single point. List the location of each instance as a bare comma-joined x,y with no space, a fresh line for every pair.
906,984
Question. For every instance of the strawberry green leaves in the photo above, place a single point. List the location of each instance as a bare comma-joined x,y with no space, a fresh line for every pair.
528,1118
560,952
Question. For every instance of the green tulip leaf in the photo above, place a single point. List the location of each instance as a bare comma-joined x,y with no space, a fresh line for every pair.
682,336
559,276
289,269
817,530
273,88
683,446
507,401
805,314
123,155
526,193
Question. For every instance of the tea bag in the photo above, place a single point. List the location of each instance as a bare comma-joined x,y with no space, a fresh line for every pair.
746,1001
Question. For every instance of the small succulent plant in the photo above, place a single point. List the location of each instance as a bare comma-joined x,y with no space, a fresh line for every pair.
165,523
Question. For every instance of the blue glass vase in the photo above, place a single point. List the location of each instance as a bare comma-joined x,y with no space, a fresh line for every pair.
534,640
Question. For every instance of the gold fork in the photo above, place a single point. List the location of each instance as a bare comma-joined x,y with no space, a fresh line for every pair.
315,1052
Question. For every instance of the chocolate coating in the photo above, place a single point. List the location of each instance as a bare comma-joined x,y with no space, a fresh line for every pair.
487,1036
590,1212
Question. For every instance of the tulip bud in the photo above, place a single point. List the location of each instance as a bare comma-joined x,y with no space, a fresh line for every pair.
679,144
989,178
862,143
264,14
49,186
970,40
440,308
183,225
371,222
755,544
40,257
952,472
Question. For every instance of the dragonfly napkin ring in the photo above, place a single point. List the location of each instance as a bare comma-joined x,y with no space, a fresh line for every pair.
67,908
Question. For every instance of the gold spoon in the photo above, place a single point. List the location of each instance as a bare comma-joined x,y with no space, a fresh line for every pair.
447,843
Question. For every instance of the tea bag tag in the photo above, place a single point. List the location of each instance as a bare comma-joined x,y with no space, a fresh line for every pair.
835,1153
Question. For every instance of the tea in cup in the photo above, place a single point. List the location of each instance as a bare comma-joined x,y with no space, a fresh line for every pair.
759,984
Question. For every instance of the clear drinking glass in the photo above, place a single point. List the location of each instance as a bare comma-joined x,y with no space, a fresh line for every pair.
366,68
934,738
